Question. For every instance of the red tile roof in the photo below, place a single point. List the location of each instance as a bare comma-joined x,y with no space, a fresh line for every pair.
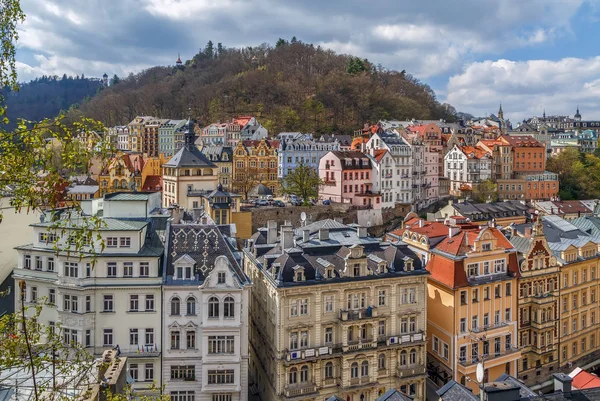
522,141
242,120
447,271
476,151
379,153
583,379
153,183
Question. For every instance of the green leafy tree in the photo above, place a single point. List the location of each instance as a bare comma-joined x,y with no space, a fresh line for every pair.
280,42
209,50
115,80
304,182
486,191
356,66
294,40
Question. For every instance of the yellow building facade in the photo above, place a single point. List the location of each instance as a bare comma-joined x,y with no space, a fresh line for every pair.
255,162
344,323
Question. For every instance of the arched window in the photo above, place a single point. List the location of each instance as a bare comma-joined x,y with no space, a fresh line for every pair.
293,379
304,374
381,361
191,306
403,358
354,370
213,307
328,370
364,369
413,356
229,308
175,306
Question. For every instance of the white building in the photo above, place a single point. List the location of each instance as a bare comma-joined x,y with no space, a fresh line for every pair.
206,299
109,294
401,174
467,166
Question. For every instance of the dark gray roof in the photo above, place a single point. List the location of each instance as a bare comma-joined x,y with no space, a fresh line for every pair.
215,153
480,211
189,158
203,243
453,391
260,190
393,395
317,255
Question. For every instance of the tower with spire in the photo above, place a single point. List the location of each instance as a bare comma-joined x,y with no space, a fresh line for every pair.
500,113
577,116
178,63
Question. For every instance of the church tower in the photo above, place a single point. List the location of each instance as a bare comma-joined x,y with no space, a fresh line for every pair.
500,113
577,116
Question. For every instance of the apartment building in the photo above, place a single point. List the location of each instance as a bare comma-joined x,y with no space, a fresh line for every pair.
187,171
150,137
334,312
222,157
255,162
302,150
575,248
205,328
136,132
466,167
538,311
108,294
347,178
433,163
383,176
166,136
471,299
402,172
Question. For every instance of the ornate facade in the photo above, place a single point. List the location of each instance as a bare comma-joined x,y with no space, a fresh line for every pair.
255,162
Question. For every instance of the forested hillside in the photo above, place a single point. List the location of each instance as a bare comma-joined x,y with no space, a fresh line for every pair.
290,87
47,96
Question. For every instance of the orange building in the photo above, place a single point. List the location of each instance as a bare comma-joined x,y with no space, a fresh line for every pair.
529,155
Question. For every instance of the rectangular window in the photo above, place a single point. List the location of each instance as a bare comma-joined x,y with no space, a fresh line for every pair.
127,269
107,337
111,269
221,397
88,338
27,262
50,264
149,336
221,344
221,278
149,372
52,296
144,269
381,297
329,335
304,306
88,303
463,325
149,302
190,338
446,351
38,263
221,376
71,269
328,303
134,303
34,294
108,303
133,337
185,372
124,242
175,339
133,371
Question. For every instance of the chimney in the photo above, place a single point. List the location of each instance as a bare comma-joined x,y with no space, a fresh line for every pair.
562,382
305,235
452,231
339,220
323,234
361,232
287,237
527,232
420,223
176,213
271,232
502,391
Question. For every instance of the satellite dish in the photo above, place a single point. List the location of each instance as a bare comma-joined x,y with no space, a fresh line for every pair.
479,373
303,216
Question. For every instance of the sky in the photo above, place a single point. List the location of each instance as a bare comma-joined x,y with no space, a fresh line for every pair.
529,55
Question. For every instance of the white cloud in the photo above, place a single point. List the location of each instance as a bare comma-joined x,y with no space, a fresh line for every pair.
526,88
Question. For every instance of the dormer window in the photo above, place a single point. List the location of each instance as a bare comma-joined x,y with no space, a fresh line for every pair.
329,273
408,265
299,276
486,247
221,278
356,270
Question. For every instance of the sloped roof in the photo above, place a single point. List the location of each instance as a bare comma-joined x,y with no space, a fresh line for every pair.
583,379
152,183
474,152
189,158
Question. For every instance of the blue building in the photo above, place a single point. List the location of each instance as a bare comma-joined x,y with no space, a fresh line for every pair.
297,149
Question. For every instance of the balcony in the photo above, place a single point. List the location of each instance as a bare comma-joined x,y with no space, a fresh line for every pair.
543,325
296,390
331,381
489,327
329,181
388,175
487,357
360,381
359,345
358,314
409,371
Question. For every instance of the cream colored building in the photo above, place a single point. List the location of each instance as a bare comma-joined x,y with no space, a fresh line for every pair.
334,312
188,171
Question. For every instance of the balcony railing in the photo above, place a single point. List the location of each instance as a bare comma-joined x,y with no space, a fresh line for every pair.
489,327
366,343
543,325
486,357
357,314
295,390
359,381
410,370
331,381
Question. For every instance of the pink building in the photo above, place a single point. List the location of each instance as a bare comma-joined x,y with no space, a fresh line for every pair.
348,178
